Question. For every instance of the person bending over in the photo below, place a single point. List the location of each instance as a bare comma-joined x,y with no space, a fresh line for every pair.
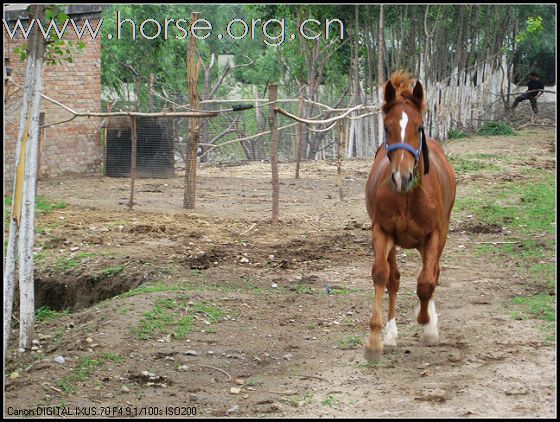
534,91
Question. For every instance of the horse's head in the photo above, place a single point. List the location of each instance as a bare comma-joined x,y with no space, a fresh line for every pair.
404,133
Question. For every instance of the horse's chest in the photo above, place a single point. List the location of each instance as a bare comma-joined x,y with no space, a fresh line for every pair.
408,228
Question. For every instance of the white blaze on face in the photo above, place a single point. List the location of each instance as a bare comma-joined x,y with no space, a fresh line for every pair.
390,333
403,123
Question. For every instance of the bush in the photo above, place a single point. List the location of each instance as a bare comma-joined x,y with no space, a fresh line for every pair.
496,128
456,134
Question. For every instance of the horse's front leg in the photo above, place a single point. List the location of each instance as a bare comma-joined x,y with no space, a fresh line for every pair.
426,310
382,245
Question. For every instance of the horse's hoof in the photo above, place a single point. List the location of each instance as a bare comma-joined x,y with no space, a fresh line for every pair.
372,355
430,340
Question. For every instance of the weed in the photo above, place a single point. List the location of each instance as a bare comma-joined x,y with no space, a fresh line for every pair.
64,264
496,128
113,357
350,343
161,321
456,134
331,401
539,306
214,313
112,271
44,313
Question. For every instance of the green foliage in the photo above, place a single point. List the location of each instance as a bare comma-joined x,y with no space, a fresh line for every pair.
113,357
212,312
534,26
44,313
64,264
465,165
540,306
496,128
80,373
160,321
44,205
350,343
112,271
331,400
456,134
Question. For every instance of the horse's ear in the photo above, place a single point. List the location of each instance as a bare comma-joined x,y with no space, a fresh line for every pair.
418,94
390,92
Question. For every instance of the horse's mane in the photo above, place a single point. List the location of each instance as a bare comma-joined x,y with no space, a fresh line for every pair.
403,82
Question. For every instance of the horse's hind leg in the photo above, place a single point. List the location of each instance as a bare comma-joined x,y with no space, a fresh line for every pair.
380,271
426,312
390,333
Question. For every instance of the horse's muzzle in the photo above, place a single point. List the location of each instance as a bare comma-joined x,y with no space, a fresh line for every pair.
401,181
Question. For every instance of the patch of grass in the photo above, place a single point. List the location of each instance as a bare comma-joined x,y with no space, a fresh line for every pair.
350,343
81,372
546,271
456,134
45,206
160,321
153,289
539,306
57,335
112,271
64,264
113,357
298,401
331,400
465,165
44,313
496,128
378,363
345,291
38,256
213,313
302,289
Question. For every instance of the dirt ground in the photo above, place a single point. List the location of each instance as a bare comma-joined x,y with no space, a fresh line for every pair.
271,340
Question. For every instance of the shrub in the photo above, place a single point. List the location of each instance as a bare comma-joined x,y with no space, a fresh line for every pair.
456,134
496,128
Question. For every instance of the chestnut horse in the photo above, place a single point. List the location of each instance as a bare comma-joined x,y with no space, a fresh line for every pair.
409,196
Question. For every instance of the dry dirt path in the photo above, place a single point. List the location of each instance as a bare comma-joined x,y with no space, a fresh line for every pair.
206,329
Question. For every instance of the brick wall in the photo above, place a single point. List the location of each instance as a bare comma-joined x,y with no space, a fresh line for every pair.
73,147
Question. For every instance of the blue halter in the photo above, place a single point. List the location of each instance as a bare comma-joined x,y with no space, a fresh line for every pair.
409,148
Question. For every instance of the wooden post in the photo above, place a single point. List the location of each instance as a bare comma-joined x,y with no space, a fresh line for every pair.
300,136
272,96
193,67
133,140
339,163
105,132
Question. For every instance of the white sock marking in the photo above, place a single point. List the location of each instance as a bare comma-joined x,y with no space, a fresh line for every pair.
390,333
431,332
431,328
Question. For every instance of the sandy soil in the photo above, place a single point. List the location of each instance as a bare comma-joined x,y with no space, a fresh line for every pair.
289,350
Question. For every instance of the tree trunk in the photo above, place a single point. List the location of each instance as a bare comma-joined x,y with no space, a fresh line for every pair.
299,146
26,234
133,149
193,66
380,75
272,96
